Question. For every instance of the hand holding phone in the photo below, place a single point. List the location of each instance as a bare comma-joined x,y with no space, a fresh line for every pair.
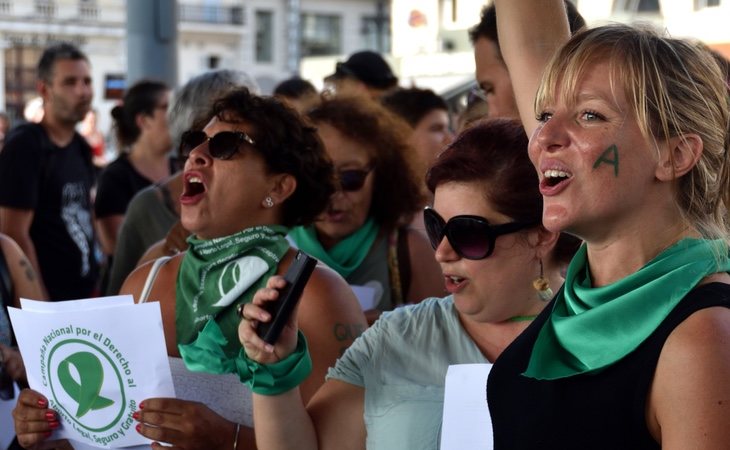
282,308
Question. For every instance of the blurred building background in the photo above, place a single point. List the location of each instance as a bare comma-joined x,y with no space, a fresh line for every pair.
426,41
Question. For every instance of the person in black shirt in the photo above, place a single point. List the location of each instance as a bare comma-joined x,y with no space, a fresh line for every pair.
46,176
142,132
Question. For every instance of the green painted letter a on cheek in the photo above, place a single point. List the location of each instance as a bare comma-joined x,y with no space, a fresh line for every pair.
609,156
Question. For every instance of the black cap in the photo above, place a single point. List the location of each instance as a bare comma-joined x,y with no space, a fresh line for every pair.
368,67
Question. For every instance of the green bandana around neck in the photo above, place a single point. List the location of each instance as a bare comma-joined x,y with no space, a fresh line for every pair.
591,328
346,255
216,276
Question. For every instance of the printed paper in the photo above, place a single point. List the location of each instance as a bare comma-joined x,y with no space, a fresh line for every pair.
466,422
94,360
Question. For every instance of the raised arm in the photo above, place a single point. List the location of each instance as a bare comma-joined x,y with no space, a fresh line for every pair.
530,31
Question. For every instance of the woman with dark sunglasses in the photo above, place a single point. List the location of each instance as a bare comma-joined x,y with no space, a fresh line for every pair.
363,233
255,171
386,391
151,226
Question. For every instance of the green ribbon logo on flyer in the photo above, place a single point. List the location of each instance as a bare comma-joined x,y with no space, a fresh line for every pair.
87,385
91,378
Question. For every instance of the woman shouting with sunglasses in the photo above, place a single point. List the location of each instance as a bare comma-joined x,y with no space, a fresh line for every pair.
254,171
362,233
386,391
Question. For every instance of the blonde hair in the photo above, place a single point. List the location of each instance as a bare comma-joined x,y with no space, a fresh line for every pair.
673,87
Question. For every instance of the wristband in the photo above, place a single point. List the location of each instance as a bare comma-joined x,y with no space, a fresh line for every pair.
279,377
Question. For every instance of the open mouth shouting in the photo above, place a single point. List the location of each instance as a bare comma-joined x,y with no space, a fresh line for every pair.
193,188
554,180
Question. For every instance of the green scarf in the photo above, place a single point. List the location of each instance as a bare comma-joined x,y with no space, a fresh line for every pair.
346,255
591,328
215,277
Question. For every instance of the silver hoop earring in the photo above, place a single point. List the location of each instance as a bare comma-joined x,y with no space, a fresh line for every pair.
268,202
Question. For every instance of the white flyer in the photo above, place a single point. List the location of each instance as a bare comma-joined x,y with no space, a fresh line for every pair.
95,360
466,421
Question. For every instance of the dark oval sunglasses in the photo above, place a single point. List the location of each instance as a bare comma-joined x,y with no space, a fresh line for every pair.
223,145
352,180
471,237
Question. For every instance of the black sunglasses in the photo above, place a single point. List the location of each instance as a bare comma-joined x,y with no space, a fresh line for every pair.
471,237
223,145
352,180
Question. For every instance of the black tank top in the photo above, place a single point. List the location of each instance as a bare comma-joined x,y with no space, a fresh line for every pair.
606,410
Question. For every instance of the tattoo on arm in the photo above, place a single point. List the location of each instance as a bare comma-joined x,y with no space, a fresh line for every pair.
28,268
609,156
348,331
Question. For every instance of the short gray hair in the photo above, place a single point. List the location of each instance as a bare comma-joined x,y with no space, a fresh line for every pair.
192,102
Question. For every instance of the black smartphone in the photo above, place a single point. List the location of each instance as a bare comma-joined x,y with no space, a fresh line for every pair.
296,278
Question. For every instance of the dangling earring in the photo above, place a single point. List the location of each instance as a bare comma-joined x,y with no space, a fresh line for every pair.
268,202
542,286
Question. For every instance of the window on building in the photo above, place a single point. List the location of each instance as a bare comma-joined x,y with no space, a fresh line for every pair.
264,36
45,8
700,4
449,11
375,32
88,9
636,6
20,78
321,34
6,7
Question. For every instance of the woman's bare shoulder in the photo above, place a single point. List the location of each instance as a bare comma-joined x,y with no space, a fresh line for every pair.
164,280
691,381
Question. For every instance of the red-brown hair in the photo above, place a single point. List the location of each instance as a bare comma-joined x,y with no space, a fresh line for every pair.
494,152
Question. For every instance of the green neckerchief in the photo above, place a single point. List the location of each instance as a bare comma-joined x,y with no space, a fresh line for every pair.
591,328
216,276
346,255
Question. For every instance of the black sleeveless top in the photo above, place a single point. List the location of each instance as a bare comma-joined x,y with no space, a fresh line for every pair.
606,410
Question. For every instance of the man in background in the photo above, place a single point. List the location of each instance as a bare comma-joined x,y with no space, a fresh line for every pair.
493,81
46,176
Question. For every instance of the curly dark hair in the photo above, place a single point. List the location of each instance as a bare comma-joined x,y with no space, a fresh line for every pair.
495,152
396,189
287,145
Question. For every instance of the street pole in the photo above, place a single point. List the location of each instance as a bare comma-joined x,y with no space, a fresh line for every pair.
152,41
